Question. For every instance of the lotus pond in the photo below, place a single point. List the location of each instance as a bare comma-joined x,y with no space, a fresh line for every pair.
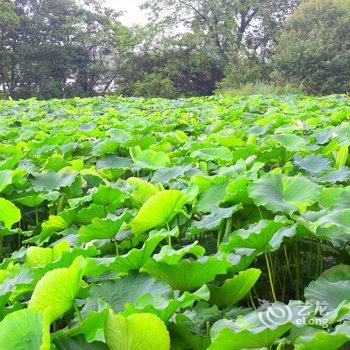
148,224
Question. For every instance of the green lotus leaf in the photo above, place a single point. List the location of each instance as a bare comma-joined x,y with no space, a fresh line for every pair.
92,326
165,309
339,175
314,164
203,182
17,281
237,190
183,338
39,256
265,235
105,146
149,159
103,228
140,293
87,126
315,339
290,142
323,135
187,275
241,258
64,258
158,210
134,259
57,223
229,138
187,327
136,332
252,331
340,218
213,220
9,213
119,135
24,330
126,290
64,342
171,206
333,226
75,202
233,289
221,153
92,211
331,289
106,195
211,197
167,174
57,289
342,132
282,193
342,157
143,191
33,200
335,198
51,180
337,273
171,256
114,162
55,162
5,179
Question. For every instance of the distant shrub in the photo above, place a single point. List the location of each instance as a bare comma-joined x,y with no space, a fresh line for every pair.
155,85
261,88
314,49
242,71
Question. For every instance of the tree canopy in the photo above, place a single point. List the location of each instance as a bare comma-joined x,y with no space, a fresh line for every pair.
55,48
314,47
66,48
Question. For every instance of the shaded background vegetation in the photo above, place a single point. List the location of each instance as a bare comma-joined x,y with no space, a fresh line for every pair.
65,48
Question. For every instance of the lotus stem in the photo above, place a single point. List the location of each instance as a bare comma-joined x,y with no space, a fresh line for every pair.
77,311
36,216
297,270
116,248
252,300
169,237
60,203
270,276
320,258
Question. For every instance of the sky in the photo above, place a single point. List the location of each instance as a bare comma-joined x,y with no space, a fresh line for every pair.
133,15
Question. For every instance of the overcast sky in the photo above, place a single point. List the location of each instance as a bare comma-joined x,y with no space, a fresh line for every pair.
133,15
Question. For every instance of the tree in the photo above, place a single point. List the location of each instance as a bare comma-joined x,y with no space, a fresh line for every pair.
226,26
210,39
314,48
183,67
56,48
9,25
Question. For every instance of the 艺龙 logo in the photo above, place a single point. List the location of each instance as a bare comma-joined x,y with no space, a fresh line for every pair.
275,315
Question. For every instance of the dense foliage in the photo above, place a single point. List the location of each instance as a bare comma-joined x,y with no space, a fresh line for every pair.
219,223
56,48
70,48
314,48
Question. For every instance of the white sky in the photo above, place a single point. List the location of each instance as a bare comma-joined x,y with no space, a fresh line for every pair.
133,15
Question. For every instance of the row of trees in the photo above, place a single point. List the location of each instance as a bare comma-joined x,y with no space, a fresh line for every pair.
64,48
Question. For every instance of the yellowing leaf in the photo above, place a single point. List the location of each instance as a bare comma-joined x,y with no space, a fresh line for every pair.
158,210
342,157
9,213
136,332
56,291
25,330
